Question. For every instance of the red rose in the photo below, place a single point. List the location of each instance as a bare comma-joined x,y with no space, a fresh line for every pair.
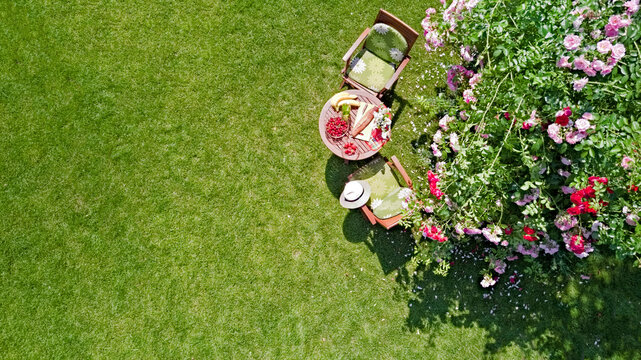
567,111
508,231
562,120
577,244
575,210
530,238
529,230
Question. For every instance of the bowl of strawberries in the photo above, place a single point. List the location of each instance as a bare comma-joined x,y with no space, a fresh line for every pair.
336,127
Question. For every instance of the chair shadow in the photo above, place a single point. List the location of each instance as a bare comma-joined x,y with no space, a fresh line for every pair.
569,317
393,247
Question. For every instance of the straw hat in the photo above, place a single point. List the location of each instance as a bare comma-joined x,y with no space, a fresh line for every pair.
355,194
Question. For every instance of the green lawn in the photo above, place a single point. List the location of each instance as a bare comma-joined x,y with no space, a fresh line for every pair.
164,193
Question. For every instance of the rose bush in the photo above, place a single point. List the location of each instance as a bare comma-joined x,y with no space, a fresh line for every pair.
538,156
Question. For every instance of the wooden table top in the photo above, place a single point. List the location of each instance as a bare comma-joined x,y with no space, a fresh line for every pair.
336,145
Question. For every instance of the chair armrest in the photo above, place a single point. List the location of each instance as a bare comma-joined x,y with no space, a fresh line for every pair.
400,169
397,73
350,52
369,214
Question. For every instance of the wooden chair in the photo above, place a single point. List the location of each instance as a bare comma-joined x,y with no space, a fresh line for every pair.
406,31
365,209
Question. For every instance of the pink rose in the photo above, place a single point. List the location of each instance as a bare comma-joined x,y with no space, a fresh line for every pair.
468,96
572,42
618,51
589,71
580,84
631,6
563,62
588,116
611,31
580,63
582,124
604,46
598,65
625,163
615,21
606,70
595,34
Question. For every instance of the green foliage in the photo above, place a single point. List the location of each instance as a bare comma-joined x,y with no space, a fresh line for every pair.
511,150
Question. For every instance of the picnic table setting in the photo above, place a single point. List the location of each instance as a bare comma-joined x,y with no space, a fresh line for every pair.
355,124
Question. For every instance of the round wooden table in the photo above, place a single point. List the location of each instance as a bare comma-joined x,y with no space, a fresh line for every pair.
336,145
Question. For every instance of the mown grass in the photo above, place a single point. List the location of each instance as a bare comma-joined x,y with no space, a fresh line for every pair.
165,194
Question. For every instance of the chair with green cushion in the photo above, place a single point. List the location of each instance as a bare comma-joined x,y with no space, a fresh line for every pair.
388,190
383,56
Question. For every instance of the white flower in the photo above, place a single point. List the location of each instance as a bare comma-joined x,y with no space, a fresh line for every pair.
396,54
376,203
381,28
487,281
358,66
405,193
582,124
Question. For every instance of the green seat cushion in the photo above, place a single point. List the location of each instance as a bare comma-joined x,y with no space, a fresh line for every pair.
390,205
386,198
370,71
386,43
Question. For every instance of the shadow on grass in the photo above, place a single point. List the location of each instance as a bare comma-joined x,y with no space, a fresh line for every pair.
566,317
394,247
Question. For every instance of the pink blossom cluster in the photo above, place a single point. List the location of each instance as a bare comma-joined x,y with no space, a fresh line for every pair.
454,73
608,52
433,38
493,235
626,162
564,128
434,233
631,218
455,11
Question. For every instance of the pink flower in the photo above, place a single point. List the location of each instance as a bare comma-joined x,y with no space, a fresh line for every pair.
607,69
436,151
631,6
468,96
580,84
598,65
615,21
565,222
454,142
582,124
564,173
611,31
566,161
632,219
438,137
568,190
581,63
572,42
604,46
625,162
466,53
475,80
587,116
575,136
618,51
589,71
430,11
595,34
553,133
563,62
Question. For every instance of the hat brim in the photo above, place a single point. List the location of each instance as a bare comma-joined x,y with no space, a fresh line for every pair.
360,201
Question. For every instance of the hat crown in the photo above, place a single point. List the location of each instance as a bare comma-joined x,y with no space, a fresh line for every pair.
353,190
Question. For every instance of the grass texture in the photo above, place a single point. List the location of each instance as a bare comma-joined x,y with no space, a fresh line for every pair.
164,193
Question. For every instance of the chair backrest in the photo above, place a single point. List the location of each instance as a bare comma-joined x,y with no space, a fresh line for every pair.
408,33
387,43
